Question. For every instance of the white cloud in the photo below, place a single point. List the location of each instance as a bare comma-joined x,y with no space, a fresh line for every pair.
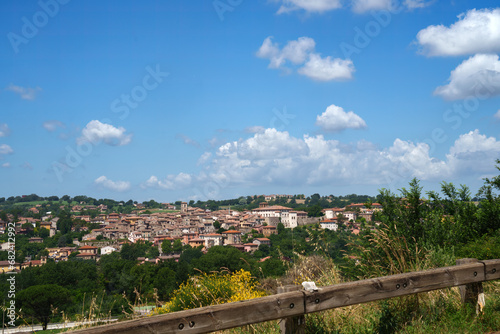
6,149
327,69
317,6
477,31
255,129
276,158
204,158
6,165
96,131
412,4
52,125
25,93
361,6
335,119
473,152
357,6
301,52
477,76
497,115
4,130
119,186
294,51
171,182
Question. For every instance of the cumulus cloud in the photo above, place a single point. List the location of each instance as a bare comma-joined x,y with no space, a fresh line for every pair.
171,182
95,132
302,52
52,125
255,129
477,76
477,31
4,130
357,6
5,149
119,186
327,69
335,119
361,6
497,115
294,51
26,93
473,151
204,158
277,158
412,4
313,6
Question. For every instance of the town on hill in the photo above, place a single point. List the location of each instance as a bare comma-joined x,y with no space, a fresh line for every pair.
89,230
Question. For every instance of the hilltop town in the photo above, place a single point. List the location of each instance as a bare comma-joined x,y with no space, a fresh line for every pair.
105,231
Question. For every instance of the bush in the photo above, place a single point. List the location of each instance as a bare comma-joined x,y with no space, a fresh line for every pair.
212,289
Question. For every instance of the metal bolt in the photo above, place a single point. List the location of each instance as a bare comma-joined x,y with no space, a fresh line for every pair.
292,305
191,324
475,273
494,270
405,285
398,286
181,326
316,300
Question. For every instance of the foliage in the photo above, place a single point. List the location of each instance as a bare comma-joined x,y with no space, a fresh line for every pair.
41,301
212,289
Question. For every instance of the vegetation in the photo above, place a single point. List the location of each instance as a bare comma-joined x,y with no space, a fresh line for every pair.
416,230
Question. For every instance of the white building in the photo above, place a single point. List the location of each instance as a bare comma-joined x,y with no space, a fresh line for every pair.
108,250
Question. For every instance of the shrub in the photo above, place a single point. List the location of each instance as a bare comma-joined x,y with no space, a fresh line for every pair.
212,289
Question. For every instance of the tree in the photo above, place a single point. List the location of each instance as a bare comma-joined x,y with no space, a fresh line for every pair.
166,247
177,247
39,301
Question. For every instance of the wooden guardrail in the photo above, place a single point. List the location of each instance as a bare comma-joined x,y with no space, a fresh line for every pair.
297,303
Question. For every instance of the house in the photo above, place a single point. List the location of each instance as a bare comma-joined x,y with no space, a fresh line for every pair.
212,239
332,213
262,241
264,210
47,225
108,250
250,247
232,237
7,266
329,224
36,240
88,253
197,242
268,230
34,263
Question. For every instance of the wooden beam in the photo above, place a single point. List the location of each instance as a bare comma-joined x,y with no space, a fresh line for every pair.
469,293
290,304
211,318
392,286
295,324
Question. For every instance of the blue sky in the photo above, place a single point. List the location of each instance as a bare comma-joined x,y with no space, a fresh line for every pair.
180,100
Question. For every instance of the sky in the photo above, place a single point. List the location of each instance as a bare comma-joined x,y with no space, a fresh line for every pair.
217,99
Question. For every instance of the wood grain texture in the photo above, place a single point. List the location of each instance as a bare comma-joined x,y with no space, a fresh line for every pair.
211,318
291,304
492,269
392,286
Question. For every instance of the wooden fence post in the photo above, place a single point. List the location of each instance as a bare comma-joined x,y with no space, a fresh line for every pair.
471,292
292,325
